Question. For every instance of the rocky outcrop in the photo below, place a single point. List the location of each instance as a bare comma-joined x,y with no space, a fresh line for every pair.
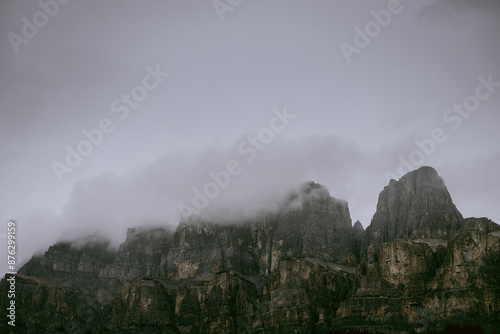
43,308
480,224
223,303
399,267
303,295
425,267
358,238
143,304
466,255
418,267
139,256
205,247
417,206
316,224
72,265
407,285
312,223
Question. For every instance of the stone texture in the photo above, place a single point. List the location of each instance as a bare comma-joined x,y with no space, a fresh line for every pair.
205,247
66,265
465,257
358,237
403,286
42,308
303,295
139,256
312,223
316,224
399,267
417,206
143,304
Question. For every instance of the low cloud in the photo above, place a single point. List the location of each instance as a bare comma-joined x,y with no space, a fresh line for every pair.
150,195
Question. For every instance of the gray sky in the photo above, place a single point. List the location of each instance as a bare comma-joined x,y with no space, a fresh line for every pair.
354,116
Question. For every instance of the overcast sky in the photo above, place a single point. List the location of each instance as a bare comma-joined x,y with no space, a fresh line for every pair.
336,97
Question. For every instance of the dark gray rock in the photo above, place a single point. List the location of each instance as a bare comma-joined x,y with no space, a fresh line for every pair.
417,206
317,225
358,236
140,254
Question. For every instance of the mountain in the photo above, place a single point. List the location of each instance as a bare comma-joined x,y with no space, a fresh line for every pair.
418,267
417,206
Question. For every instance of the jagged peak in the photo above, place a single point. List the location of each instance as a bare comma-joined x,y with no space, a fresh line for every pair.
307,193
424,175
424,172
417,205
310,191
133,232
422,180
312,187
358,226
92,240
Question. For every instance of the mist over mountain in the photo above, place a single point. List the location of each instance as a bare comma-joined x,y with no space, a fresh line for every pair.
250,166
150,194
62,78
301,267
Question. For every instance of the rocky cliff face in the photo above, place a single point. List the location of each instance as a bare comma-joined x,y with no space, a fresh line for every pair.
418,267
312,223
417,206
411,286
